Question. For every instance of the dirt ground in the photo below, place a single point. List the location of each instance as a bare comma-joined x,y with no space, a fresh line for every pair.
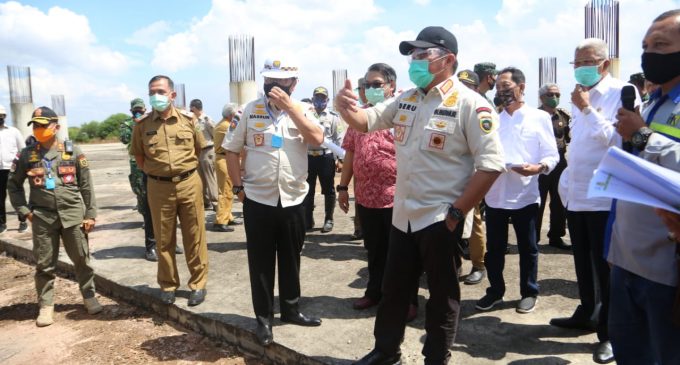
121,334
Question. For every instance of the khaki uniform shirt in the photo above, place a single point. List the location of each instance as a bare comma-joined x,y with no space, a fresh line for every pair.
441,138
73,185
560,123
220,132
206,126
168,146
271,173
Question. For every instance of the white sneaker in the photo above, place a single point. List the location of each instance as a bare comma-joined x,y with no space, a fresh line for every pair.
92,305
46,316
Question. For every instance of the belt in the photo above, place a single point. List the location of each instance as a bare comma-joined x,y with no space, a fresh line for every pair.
221,153
206,147
178,178
318,152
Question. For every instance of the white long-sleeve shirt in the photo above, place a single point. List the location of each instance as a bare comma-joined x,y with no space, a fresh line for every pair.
527,137
11,142
591,135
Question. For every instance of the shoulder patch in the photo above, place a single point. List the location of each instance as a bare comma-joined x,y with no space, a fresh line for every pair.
82,161
446,87
485,121
483,109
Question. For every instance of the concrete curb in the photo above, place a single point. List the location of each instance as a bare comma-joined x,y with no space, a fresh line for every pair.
241,338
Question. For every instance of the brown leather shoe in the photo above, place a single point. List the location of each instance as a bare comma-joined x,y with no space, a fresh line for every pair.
364,303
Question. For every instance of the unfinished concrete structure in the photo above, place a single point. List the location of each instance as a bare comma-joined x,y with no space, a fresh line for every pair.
59,107
602,21
20,97
242,86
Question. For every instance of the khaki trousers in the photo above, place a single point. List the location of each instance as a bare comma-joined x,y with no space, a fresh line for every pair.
168,200
477,240
225,196
206,169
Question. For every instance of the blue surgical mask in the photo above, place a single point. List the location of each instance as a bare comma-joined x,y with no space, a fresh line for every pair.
419,73
320,104
375,95
587,75
159,102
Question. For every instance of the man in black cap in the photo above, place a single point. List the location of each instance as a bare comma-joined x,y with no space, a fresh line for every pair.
487,77
448,155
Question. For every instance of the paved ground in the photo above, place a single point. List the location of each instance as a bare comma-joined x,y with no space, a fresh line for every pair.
333,273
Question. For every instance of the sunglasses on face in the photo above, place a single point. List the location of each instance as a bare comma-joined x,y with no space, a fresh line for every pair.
374,85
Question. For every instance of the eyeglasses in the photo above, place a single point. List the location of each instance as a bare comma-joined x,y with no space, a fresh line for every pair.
579,63
425,53
552,95
374,85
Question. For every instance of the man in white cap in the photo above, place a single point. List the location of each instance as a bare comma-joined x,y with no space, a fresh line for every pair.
11,142
275,131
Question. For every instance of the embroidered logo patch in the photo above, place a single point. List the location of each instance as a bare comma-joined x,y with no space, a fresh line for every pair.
437,141
451,100
399,133
258,139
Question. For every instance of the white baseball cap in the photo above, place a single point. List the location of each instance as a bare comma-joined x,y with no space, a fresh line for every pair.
2,110
275,69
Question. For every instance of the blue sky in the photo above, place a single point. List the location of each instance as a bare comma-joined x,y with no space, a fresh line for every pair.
100,54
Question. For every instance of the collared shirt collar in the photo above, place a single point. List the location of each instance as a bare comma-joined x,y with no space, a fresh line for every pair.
674,94
604,85
443,88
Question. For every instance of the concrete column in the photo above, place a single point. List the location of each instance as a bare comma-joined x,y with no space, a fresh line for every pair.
21,115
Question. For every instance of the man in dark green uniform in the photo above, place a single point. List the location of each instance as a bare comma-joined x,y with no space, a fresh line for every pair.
138,178
60,182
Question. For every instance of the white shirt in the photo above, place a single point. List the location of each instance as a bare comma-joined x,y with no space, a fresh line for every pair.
591,135
440,138
527,135
11,142
271,173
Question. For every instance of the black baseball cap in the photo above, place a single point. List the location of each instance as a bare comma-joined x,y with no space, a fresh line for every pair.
431,37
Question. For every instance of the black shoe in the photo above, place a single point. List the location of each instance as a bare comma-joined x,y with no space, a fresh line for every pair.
168,297
235,222
476,276
573,322
559,244
23,227
300,319
376,357
222,228
328,226
357,235
178,250
3,227
264,334
604,353
197,297
151,255
488,302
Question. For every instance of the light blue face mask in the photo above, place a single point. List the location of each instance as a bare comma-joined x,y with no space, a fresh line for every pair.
587,75
159,102
375,95
419,73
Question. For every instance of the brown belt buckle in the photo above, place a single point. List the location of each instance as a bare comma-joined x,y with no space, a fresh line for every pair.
177,178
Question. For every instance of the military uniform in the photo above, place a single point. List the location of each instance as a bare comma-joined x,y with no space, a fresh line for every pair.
321,162
138,184
174,189
225,194
60,186
550,183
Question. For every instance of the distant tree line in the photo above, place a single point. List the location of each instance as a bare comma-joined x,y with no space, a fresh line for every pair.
95,131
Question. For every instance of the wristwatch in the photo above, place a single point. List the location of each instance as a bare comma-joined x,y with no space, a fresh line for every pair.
456,214
640,137
237,189
341,188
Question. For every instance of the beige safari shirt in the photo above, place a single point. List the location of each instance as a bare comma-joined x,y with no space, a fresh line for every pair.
271,173
168,146
206,126
441,138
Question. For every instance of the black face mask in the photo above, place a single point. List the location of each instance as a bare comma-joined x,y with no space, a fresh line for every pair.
506,97
660,68
497,101
269,87
492,85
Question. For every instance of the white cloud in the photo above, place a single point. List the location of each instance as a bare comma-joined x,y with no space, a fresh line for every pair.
58,37
422,2
150,35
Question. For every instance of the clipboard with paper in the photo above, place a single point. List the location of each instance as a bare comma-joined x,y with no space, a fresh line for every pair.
621,175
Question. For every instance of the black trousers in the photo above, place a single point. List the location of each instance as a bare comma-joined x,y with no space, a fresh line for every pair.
323,167
433,249
587,231
149,238
548,184
524,223
4,176
273,234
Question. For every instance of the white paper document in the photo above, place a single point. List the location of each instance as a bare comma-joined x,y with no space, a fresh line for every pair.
621,175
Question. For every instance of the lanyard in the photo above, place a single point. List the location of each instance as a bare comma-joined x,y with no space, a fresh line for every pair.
48,167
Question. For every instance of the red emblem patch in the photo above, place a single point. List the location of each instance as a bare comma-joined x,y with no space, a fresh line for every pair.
258,139
437,141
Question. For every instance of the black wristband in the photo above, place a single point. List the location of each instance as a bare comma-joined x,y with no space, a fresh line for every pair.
341,188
